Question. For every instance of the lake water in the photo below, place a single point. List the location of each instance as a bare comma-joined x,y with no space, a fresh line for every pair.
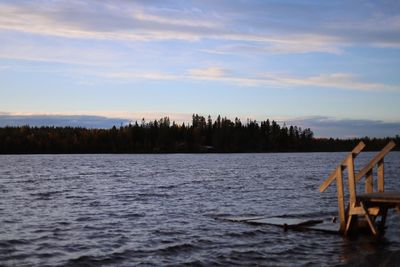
129,210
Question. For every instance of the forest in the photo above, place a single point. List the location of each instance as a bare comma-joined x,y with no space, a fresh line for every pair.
202,135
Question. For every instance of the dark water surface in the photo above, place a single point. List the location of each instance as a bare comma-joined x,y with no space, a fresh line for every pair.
129,210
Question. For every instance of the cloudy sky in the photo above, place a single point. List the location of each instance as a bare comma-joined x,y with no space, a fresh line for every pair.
333,66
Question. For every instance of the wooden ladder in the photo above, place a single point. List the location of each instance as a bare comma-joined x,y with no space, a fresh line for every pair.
356,207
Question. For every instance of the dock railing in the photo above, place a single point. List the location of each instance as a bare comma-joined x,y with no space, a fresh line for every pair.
355,206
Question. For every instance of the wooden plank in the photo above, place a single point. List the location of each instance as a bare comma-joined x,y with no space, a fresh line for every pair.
375,160
326,227
340,197
373,211
369,182
299,224
381,176
355,210
331,177
284,222
287,223
389,197
349,219
239,218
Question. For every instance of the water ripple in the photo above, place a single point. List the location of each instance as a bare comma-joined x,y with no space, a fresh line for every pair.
160,210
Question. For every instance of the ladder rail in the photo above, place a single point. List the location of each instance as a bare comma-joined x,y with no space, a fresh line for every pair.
356,206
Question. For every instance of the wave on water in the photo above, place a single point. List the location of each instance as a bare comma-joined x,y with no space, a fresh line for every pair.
168,210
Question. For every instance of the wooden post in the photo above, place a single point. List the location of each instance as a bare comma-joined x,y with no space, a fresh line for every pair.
381,176
369,182
352,214
340,197
351,181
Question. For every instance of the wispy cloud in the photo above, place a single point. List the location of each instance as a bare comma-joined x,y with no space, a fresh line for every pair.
208,73
142,75
343,81
2,68
269,27
123,21
281,46
183,18
49,49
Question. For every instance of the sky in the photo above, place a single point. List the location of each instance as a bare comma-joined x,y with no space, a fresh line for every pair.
333,66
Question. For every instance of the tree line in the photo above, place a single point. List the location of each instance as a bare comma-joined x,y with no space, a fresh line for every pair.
163,136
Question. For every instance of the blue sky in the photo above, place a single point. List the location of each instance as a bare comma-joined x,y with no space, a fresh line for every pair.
333,66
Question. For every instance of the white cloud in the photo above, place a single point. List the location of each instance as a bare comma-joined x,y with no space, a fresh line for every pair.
298,45
208,73
342,81
142,75
31,32
55,50
141,26
123,23
270,28
334,80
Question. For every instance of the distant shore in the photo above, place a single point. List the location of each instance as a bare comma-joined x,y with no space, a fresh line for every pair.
162,136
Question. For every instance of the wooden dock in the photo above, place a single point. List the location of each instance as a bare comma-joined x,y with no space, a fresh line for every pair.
370,205
362,209
327,226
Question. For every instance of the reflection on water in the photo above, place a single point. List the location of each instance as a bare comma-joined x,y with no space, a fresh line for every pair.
159,210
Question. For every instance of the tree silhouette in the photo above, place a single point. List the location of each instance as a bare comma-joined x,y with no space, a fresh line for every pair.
162,136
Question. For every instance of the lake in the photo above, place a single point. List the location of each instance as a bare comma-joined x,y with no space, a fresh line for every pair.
129,210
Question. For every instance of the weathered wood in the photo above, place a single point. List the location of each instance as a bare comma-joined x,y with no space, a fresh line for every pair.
286,223
353,209
326,227
351,181
381,175
356,210
368,218
371,204
369,182
331,177
340,196
374,211
349,219
389,197
239,218
375,160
